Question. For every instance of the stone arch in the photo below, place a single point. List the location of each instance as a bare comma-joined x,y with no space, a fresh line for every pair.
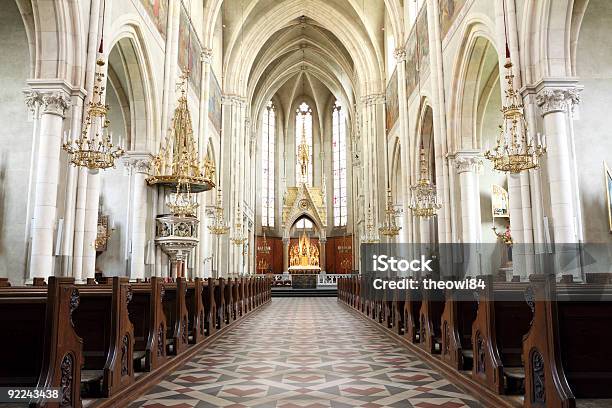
477,58
57,43
128,52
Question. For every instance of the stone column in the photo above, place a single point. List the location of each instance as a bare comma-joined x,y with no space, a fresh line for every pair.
322,258
286,255
468,163
139,163
556,104
91,225
54,104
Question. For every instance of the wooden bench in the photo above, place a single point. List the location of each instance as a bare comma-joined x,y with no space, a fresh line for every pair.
460,309
430,317
177,317
566,356
230,305
220,303
195,310
42,350
103,323
412,308
149,322
497,348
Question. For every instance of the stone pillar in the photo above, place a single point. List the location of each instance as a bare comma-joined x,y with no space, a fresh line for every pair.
556,104
286,255
91,225
322,258
468,163
139,164
54,104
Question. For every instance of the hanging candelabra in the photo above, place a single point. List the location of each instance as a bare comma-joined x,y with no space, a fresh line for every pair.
177,164
94,149
239,237
218,225
369,236
390,227
181,203
345,247
264,247
515,150
424,200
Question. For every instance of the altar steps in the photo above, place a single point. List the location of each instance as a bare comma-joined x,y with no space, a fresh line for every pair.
290,292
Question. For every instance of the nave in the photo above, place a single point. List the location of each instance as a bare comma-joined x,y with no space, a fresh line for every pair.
292,353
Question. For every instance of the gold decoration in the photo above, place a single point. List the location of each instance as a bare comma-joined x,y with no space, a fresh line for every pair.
177,164
304,253
239,237
369,236
182,203
218,226
264,247
424,201
94,149
389,227
515,150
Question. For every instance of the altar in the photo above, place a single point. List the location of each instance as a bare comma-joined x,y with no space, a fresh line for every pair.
304,257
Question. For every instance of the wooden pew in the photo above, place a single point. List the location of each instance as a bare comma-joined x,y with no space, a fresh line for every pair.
239,294
195,309
460,309
220,303
42,349
399,299
177,317
412,308
497,348
149,321
565,357
230,309
210,308
102,321
430,315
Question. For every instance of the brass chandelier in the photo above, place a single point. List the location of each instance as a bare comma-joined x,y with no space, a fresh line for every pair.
218,226
239,237
181,203
264,248
390,228
94,149
177,165
515,150
424,201
369,236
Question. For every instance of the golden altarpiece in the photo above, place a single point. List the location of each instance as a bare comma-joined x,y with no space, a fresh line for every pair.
305,256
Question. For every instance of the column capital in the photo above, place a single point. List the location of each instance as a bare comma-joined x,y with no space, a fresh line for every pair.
551,99
400,54
207,55
55,102
286,240
32,99
139,161
373,99
467,161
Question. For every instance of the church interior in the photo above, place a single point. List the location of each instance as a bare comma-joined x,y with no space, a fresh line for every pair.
191,191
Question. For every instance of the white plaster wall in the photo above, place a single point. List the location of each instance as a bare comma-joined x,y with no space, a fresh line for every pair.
15,143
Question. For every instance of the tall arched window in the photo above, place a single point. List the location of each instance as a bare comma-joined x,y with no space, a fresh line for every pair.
268,144
339,166
303,126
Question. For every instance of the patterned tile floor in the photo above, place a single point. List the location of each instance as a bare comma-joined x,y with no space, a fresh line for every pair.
305,353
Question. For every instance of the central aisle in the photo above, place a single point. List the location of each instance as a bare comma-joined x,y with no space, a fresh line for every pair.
305,352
